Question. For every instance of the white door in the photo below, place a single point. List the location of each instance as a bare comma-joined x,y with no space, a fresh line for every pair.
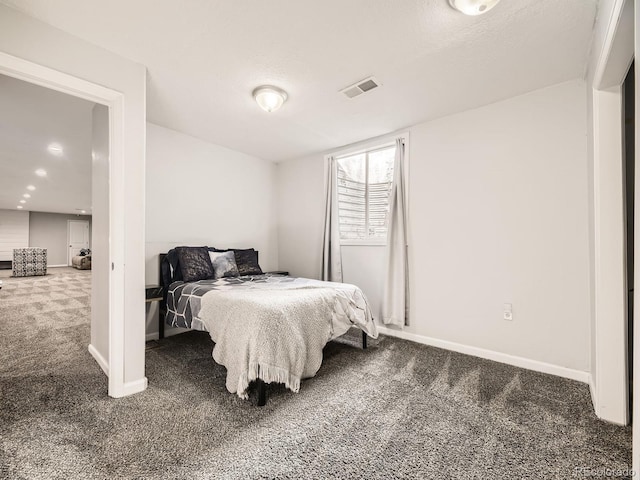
78,234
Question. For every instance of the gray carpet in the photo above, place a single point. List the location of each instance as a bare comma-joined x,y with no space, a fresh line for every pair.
396,410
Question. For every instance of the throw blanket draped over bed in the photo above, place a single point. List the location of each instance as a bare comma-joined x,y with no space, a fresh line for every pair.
271,328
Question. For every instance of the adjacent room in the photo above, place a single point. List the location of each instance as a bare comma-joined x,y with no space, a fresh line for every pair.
45,227
361,239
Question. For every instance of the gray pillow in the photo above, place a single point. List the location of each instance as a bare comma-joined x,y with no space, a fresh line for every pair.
224,264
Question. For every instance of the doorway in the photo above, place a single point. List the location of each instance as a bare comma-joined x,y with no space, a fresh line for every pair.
122,227
78,238
46,199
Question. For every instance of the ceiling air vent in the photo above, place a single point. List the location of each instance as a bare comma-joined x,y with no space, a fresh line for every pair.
360,87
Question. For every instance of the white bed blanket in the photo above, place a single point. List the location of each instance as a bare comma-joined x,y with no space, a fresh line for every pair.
277,334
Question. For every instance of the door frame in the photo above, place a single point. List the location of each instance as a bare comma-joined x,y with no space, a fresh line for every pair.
69,237
609,365
114,101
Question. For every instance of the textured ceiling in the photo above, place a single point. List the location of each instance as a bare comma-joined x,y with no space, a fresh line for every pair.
204,57
31,118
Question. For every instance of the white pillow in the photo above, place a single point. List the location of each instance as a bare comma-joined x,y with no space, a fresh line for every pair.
224,264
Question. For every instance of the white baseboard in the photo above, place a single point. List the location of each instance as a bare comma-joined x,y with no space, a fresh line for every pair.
136,386
104,365
594,398
128,388
521,362
55,266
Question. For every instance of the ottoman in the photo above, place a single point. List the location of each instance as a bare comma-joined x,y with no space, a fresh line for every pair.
29,261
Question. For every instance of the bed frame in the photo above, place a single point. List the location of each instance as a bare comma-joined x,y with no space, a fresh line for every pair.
261,386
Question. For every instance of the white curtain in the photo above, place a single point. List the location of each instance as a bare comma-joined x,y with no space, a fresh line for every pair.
331,252
395,298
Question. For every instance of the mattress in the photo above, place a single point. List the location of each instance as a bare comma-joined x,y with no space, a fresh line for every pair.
184,300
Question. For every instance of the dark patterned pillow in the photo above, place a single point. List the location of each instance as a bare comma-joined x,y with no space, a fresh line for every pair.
195,263
224,264
247,262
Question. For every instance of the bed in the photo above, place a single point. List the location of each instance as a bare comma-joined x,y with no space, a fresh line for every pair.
266,328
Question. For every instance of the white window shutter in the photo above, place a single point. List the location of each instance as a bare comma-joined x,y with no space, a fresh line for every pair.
351,199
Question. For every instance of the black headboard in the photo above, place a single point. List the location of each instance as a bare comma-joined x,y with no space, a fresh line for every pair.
161,280
163,304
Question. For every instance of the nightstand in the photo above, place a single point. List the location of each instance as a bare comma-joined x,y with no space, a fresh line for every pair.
278,272
153,293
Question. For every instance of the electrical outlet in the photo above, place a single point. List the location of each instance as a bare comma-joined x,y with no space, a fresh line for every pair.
507,312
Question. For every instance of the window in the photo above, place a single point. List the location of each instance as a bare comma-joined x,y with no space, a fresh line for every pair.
364,186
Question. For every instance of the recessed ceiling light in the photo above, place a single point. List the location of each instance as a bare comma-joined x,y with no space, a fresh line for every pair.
23,201
269,98
19,207
473,7
41,173
31,187
26,195
55,149
83,211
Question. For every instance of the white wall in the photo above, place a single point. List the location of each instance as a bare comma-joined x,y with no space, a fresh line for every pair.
498,213
100,261
50,231
199,193
25,38
610,330
300,194
14,232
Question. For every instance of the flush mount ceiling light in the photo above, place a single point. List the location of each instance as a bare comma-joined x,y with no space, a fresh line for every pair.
473,7
31,187
19,207
41,173
23,201
269,98
55,149
26,195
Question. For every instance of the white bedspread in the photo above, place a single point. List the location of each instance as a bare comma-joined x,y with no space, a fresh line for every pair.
277,332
